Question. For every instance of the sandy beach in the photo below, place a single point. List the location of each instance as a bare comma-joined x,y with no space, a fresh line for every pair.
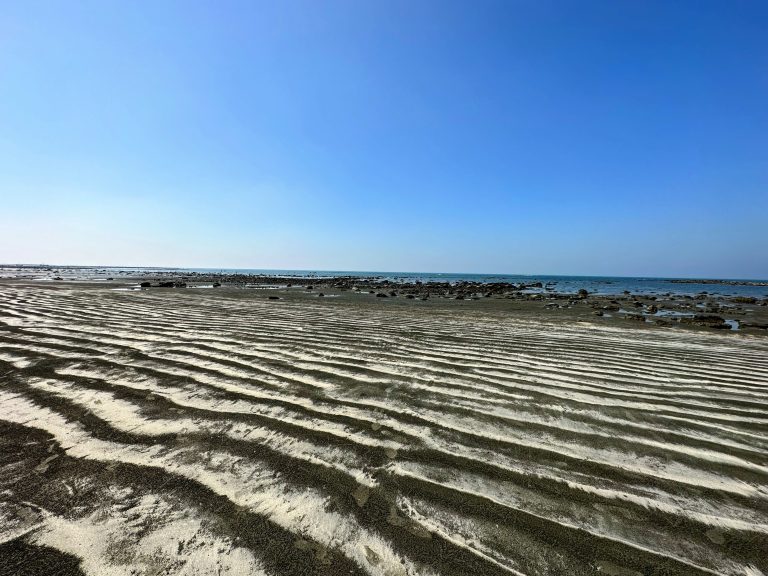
221,431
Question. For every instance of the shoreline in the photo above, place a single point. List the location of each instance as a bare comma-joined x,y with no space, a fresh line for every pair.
702,311
238,428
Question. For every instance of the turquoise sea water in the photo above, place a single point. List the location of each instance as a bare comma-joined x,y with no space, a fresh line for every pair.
596,284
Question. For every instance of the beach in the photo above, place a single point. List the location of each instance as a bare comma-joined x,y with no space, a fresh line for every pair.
352,426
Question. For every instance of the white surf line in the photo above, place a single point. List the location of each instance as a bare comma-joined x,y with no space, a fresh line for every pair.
257,488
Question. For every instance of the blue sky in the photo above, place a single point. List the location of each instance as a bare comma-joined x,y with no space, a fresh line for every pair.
612,137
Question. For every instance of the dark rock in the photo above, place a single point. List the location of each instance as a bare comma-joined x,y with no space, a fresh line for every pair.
707,321
145,284
274,297
756,325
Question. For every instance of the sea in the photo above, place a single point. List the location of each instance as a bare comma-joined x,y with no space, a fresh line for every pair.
607,285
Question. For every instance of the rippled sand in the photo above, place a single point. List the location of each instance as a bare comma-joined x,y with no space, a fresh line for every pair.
219,432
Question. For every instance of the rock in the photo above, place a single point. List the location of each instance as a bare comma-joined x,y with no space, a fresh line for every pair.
757,325
707,321
274,297
320,295
145,284
636,317
744,300
652,309
310,287
381,295
583,293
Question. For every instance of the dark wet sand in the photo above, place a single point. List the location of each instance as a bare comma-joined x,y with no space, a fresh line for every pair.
216,430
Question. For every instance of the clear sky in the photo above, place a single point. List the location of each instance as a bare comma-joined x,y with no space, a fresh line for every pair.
522,136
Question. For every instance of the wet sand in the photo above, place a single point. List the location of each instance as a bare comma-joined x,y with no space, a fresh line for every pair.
218,431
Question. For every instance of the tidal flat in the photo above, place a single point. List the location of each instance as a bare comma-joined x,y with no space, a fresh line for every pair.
378,429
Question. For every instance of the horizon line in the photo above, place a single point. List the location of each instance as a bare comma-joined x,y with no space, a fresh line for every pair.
381,272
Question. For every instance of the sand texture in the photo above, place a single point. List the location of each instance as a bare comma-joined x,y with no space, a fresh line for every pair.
198,432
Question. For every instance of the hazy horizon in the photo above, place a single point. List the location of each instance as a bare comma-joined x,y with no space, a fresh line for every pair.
361,271
592,138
